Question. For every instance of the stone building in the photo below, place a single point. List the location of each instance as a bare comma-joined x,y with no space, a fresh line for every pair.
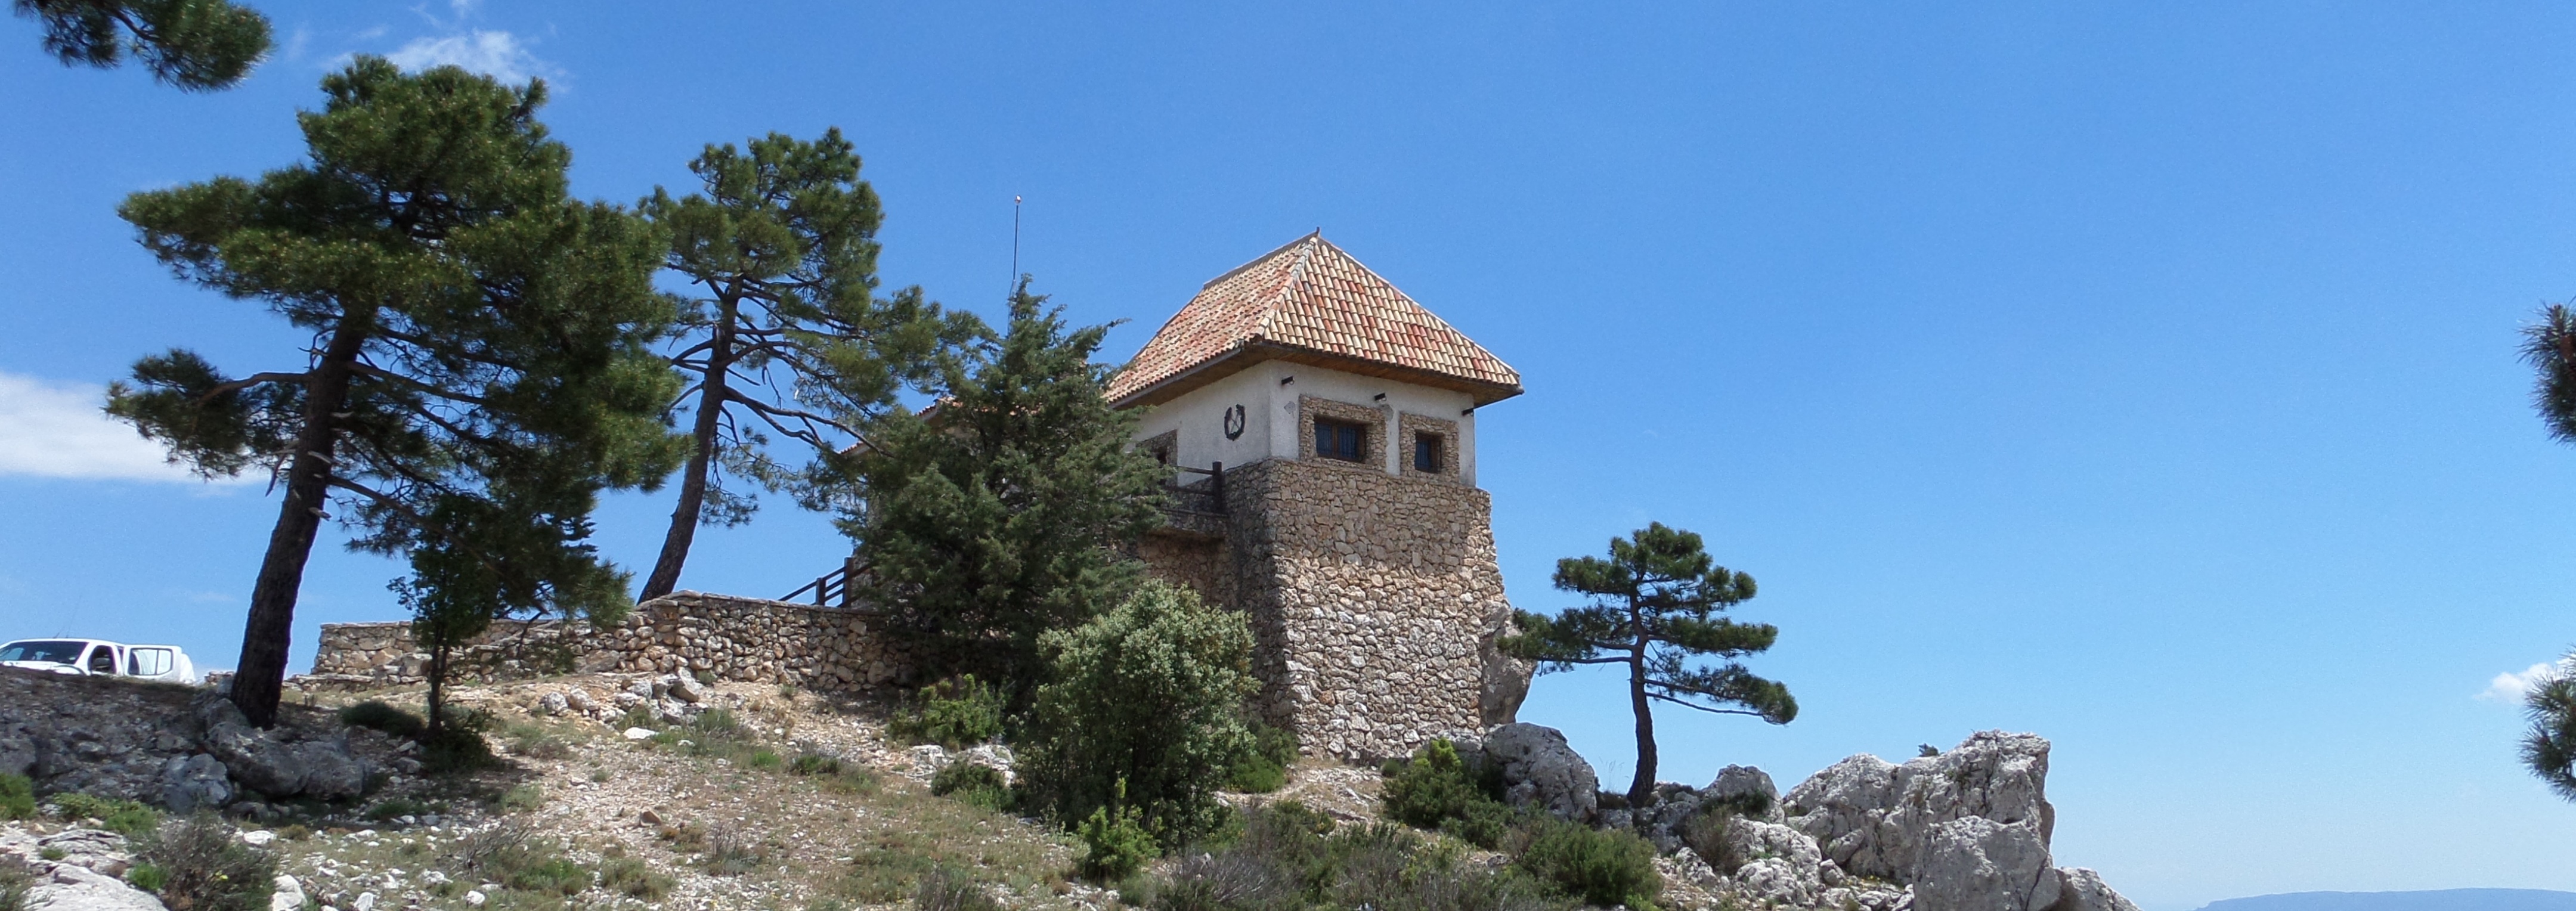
1321,426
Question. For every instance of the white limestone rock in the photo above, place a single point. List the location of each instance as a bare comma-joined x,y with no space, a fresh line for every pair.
1540,770
288,894
1872,816
2081,889
72,887
1977,864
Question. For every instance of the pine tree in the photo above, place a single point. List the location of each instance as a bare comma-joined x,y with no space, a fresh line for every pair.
1654,607
1006,511
196,45
786,332
478,335
2549,750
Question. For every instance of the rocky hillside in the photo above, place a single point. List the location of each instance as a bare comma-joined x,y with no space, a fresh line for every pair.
639,791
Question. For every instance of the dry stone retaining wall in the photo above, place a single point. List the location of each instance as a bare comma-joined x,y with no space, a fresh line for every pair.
739,639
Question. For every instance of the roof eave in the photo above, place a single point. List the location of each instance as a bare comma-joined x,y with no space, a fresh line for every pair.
1245,355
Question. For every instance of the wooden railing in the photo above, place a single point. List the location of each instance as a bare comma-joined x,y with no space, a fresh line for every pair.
830,587
1203,499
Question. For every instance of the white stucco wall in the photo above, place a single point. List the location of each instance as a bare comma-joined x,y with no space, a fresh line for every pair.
1270,410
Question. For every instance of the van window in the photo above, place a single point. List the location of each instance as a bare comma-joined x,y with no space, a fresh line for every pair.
148,662
103,661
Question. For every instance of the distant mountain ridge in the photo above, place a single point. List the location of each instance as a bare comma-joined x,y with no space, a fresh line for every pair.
2441,900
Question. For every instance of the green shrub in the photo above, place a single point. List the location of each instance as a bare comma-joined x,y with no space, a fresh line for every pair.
377,714
1142,700
967,782
1115,846
766,759
558,875
945,889
535,742
635,879
814,763
955,713
203,867
455,749
1288,858
523,798
147,877
1597,867
729,853
17,797
17,884
1263,768
1437,790
124,817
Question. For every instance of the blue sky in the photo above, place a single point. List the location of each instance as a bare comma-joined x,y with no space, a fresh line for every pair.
2140,375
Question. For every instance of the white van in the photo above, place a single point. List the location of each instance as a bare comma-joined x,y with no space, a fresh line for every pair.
102,658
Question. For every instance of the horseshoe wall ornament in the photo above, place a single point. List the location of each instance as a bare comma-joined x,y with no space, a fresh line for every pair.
1234,423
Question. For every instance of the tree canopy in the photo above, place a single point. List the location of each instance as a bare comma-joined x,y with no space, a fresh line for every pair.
197,45
1655,606
784,333
1004,511
481,363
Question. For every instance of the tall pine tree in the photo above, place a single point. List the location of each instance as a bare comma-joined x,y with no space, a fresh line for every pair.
1655,606
2549,749
1004,512
474,329
785,333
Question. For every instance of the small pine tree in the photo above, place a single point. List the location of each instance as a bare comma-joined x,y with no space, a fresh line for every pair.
1002,513
1655,606
196,45
2549,750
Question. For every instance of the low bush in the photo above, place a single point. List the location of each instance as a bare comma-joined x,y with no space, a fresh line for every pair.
955,713
204,867
765,760
968,782
395,808
1436,789
124,817
1141,713
522,798
633,878
555,875
1263,768
457,748
945,889
512,854
382,716
731,853
813,762
1288,858
1115,844
146,876
535,742
17,796
1597,867
17,884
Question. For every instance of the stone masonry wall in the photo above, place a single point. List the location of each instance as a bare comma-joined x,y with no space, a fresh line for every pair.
1375,601
739,639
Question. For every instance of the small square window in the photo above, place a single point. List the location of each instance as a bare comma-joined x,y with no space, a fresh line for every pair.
1340,439
1426,453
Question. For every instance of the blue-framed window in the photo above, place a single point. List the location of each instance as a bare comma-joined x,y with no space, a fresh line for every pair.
1426,453
1340,440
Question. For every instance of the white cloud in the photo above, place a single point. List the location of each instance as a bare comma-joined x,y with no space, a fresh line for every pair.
57,431
2512,686
497,54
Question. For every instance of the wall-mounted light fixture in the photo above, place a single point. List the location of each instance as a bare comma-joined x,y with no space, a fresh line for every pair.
1381,397
1467,412
1285,380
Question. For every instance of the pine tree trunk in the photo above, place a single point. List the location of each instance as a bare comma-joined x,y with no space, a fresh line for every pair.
702,453
1643,788
260,677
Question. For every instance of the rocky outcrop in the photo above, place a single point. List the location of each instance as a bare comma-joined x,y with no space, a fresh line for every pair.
81,873
1539,770
1872,817
279,762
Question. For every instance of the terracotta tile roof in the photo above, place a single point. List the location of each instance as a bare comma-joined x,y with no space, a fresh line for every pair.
1309,302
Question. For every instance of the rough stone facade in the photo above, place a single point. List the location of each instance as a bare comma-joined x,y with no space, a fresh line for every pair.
739,639
1375,601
